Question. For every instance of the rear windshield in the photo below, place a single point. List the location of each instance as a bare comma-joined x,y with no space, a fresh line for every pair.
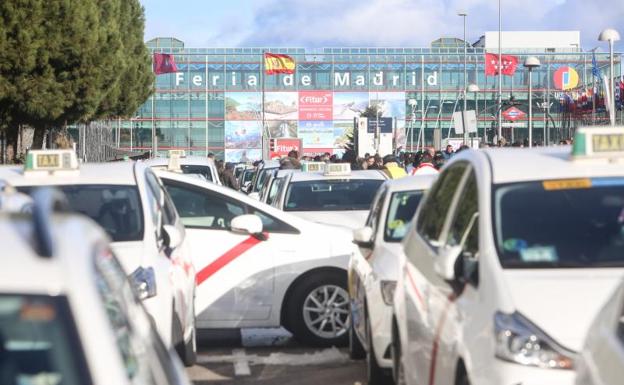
560,223
403,205
116,208
38,342
204,171
331,195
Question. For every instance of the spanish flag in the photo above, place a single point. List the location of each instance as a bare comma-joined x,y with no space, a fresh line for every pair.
275,63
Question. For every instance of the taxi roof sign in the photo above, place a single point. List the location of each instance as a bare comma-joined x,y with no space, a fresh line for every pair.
179,153
313,166
336,169
51,160
599,142
174,162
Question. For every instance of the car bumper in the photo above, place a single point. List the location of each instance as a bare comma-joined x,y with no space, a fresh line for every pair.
500,372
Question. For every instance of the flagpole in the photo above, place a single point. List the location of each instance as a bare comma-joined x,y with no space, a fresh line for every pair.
263,132
153,155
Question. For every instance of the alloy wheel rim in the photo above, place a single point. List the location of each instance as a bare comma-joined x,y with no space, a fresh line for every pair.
326,311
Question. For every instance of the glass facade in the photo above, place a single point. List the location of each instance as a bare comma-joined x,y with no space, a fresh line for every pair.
216,100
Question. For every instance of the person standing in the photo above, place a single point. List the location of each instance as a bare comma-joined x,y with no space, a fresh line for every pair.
426,166
228,178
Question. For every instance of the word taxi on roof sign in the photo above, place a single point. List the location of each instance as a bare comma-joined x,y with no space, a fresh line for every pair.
599,142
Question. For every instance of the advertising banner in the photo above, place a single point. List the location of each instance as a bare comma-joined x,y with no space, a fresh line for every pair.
243,105
242,135
349,105
390,104
282,128
315,105
280,106
281,147
317,133
247,155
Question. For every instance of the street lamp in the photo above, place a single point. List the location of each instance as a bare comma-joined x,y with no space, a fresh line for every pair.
413,103
464,14
530,63
475,88
610,35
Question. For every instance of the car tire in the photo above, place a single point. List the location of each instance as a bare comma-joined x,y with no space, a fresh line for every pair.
462,377
317,307
187,350
356,350
375,374
398,371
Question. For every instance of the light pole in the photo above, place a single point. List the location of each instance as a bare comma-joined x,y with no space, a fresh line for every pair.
464,14
475,88
610,35
412,103
530,63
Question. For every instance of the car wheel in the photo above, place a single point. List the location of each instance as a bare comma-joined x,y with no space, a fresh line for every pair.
318,310
376,375
356,350
462,377
187,350
398,371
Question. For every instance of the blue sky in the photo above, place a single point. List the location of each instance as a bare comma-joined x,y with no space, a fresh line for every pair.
370,23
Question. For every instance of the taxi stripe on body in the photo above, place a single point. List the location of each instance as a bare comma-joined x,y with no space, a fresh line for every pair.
226,258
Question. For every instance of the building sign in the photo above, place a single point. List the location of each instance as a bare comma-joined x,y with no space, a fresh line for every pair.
315,105
385,125
566,78
513,114
340,79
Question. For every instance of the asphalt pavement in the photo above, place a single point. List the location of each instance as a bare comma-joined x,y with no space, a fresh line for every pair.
271,356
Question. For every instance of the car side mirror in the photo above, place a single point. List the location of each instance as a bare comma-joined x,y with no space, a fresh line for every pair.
172,237
247,224
444,263
363,237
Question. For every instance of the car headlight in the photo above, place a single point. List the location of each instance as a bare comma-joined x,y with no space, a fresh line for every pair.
387,291
520,341
144,282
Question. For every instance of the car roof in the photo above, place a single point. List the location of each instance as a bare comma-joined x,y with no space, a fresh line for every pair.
410,183
232,193
192,160
300,176
114,173
269,164
522,164
29,273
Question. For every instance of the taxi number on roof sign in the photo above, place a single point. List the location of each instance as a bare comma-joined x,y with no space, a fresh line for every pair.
608,142
599,142
313,166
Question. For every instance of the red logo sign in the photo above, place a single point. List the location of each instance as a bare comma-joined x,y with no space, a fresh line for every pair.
315,105
513,114
282,146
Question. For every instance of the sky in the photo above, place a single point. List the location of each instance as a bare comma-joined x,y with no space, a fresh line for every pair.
369,23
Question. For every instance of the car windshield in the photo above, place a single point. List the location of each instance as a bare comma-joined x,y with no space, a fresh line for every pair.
403,205
38,342
262,177
331,195
197,169
560,224
248,176
116,208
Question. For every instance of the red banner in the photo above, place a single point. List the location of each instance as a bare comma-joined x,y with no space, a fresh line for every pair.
282,146
164,63
510,63
315,105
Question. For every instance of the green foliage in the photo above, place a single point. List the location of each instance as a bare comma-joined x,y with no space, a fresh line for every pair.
370,112
68,61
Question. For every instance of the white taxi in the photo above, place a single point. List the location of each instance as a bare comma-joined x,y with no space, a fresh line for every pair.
194,165
129,202
260,267
373,272
512,254
260,177
602,360
330,193
271,187
68,314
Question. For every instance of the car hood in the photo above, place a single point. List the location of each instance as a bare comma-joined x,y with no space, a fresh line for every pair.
562,302
353,219
131,255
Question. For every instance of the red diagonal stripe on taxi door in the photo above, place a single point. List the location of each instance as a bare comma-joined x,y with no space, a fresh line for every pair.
226,258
